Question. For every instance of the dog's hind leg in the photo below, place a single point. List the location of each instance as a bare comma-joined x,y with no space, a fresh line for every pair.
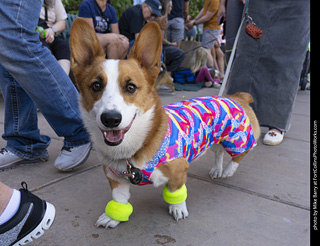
217,169
233,165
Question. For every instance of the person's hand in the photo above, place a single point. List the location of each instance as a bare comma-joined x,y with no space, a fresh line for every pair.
123,38
175,44
190,24
222,11
49,35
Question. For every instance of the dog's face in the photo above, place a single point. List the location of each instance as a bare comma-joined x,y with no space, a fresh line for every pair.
117,96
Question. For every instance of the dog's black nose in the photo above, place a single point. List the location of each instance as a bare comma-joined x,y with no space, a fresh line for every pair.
111,119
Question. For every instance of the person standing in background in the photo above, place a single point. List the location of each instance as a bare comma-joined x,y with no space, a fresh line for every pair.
234,16
269,68
172,55
208,16
176,19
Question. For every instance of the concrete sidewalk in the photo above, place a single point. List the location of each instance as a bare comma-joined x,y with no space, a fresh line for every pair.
265,203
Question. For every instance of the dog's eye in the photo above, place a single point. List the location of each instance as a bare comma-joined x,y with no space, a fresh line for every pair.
96,86
131,88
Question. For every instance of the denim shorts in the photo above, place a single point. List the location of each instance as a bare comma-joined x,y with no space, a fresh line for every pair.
209,37
175,29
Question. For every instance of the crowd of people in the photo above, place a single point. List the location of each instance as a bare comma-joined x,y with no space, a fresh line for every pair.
33,77
117,37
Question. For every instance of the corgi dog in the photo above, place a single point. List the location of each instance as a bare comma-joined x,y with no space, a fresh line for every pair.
139,140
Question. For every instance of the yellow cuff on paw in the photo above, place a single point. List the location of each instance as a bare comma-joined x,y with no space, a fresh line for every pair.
176,197
118,211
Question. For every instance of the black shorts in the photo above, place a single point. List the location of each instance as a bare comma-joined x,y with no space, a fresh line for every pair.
59,48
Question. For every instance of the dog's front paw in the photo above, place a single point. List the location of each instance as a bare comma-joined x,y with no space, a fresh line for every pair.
106,221
178,211
215,173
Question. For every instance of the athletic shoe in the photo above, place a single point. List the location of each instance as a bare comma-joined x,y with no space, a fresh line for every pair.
9,160
71,158
32,218
208,84
216,84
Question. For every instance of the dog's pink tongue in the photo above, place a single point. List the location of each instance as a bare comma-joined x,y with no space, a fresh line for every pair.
114,136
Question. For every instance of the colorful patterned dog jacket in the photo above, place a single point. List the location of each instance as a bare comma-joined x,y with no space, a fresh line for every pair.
194,125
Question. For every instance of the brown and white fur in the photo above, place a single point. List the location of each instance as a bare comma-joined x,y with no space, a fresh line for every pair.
124,114
164,79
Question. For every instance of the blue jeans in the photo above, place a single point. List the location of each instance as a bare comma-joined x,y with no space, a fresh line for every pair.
30,77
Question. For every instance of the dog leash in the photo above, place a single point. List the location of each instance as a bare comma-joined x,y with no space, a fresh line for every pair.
134,174
226,75
252,30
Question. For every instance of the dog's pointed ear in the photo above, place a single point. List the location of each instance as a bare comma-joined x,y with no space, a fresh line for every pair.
147,50
84,44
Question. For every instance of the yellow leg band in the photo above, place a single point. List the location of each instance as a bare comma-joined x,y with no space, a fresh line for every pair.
176,197
118,211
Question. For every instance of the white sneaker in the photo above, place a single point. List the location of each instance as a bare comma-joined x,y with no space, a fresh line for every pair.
273,138
208,84
9,160
71,158
216,85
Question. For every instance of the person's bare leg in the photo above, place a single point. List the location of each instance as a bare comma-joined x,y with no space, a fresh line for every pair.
214,58
22,211
210,59
113,46
220,60
5,195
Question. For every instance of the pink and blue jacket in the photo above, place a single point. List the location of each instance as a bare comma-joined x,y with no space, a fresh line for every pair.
194,125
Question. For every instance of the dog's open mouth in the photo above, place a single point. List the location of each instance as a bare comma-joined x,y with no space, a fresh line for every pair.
115,137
